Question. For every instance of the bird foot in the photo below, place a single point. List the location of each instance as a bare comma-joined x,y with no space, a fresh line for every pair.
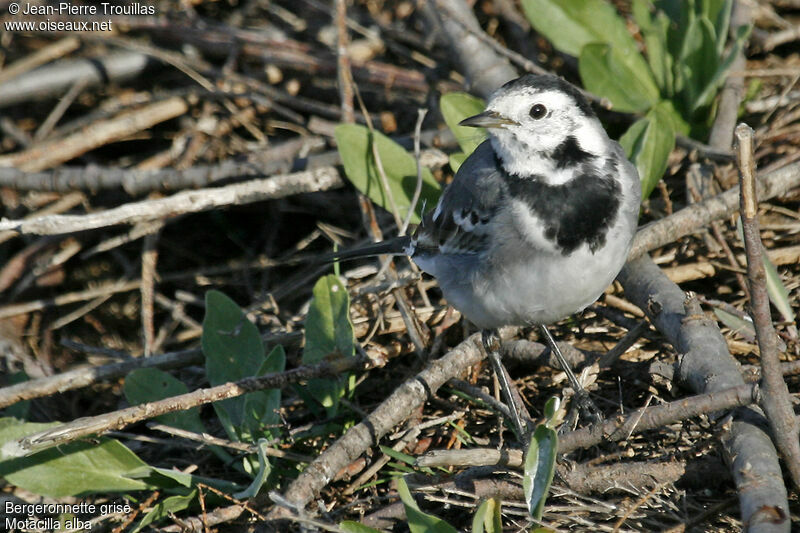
582,407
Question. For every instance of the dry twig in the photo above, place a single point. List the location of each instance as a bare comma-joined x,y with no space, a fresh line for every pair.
776,401
95,425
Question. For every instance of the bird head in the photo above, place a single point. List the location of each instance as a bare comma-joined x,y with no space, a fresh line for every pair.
541,125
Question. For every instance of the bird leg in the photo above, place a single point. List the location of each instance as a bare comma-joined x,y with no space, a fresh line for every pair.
582,399
491,344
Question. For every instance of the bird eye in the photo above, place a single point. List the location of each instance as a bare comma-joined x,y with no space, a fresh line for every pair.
538,111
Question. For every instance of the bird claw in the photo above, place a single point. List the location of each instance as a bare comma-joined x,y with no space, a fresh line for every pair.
582,407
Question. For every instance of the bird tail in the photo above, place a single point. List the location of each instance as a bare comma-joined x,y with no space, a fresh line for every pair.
395,246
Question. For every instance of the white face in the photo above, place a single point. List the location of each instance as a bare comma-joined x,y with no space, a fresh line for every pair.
543,121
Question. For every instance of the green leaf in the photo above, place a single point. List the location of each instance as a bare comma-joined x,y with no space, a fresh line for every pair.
487,518
540,465
654,28
698,59
776,290
456,160
708,93
174,478
722,21
624,79
455,108
234,351
419,522
261,407
261,476
551,409
354,144
329,331
648,143
571,25
400,456
165,507
145,385
736,324
169,479
348,526
74,469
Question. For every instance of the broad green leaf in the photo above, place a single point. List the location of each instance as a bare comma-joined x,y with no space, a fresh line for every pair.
354,144
456,160
736,324
551,407
573,24
74,469
165,507
234,351
698,59
329,331
654,29
638,146
261,407
708,93
681,15
181,479
487,518
722,21
231,343
418,521
455,108
349,526
540,465
624,79
151,384
648,143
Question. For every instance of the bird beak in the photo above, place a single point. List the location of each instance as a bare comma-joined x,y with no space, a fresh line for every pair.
487,119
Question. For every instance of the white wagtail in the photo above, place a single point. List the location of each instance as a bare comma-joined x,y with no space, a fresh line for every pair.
537,222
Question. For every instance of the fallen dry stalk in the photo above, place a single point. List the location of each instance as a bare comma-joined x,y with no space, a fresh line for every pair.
196,201
50,154
45,55
96,425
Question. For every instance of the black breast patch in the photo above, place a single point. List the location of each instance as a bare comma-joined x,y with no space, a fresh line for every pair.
569,154
580,211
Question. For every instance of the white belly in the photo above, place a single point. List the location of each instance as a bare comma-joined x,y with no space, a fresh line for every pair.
529,286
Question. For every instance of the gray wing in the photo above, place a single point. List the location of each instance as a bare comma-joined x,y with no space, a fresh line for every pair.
461,222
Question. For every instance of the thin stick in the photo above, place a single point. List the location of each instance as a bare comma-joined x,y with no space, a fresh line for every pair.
211,440
776,400
45,55
623,426
51,154
418,188
196,201
343,64
116,420
147,289
58,111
